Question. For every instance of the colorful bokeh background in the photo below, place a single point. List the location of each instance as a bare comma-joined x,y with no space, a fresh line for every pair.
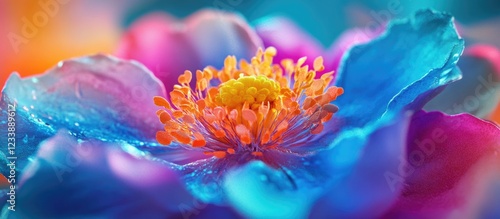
38,34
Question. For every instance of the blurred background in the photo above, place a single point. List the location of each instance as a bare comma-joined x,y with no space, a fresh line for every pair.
37,34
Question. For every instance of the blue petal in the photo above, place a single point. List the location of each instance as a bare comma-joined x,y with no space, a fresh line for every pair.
28,136
97,97
258,191
370,185
91,179
204,177
401,69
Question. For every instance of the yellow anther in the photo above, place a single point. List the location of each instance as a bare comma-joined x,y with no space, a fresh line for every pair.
247,89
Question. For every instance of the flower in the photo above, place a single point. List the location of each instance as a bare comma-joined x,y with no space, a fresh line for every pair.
256,109
99,157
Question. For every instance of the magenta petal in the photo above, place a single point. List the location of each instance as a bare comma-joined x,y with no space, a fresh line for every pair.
290,41
92,179
161,43
443,152
168,46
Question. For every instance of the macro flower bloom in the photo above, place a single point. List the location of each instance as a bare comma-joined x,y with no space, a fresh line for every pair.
254,138
257,107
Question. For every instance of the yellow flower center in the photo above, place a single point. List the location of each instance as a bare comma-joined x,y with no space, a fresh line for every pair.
251,90
255,107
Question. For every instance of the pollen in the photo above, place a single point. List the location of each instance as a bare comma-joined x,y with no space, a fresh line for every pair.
248,107
251,90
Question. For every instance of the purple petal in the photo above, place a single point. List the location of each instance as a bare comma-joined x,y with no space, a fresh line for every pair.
444,154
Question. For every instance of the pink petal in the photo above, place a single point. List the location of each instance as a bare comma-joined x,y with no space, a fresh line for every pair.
168,47
161,43
290,40
444,153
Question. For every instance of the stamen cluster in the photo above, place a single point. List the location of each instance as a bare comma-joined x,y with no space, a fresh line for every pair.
254,107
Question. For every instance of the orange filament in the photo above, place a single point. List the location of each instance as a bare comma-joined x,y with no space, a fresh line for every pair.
256,106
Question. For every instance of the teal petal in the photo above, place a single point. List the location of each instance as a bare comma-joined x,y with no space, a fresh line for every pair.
204,178
402,69
259,191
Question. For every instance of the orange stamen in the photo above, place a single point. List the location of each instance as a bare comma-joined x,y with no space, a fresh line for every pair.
256,106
